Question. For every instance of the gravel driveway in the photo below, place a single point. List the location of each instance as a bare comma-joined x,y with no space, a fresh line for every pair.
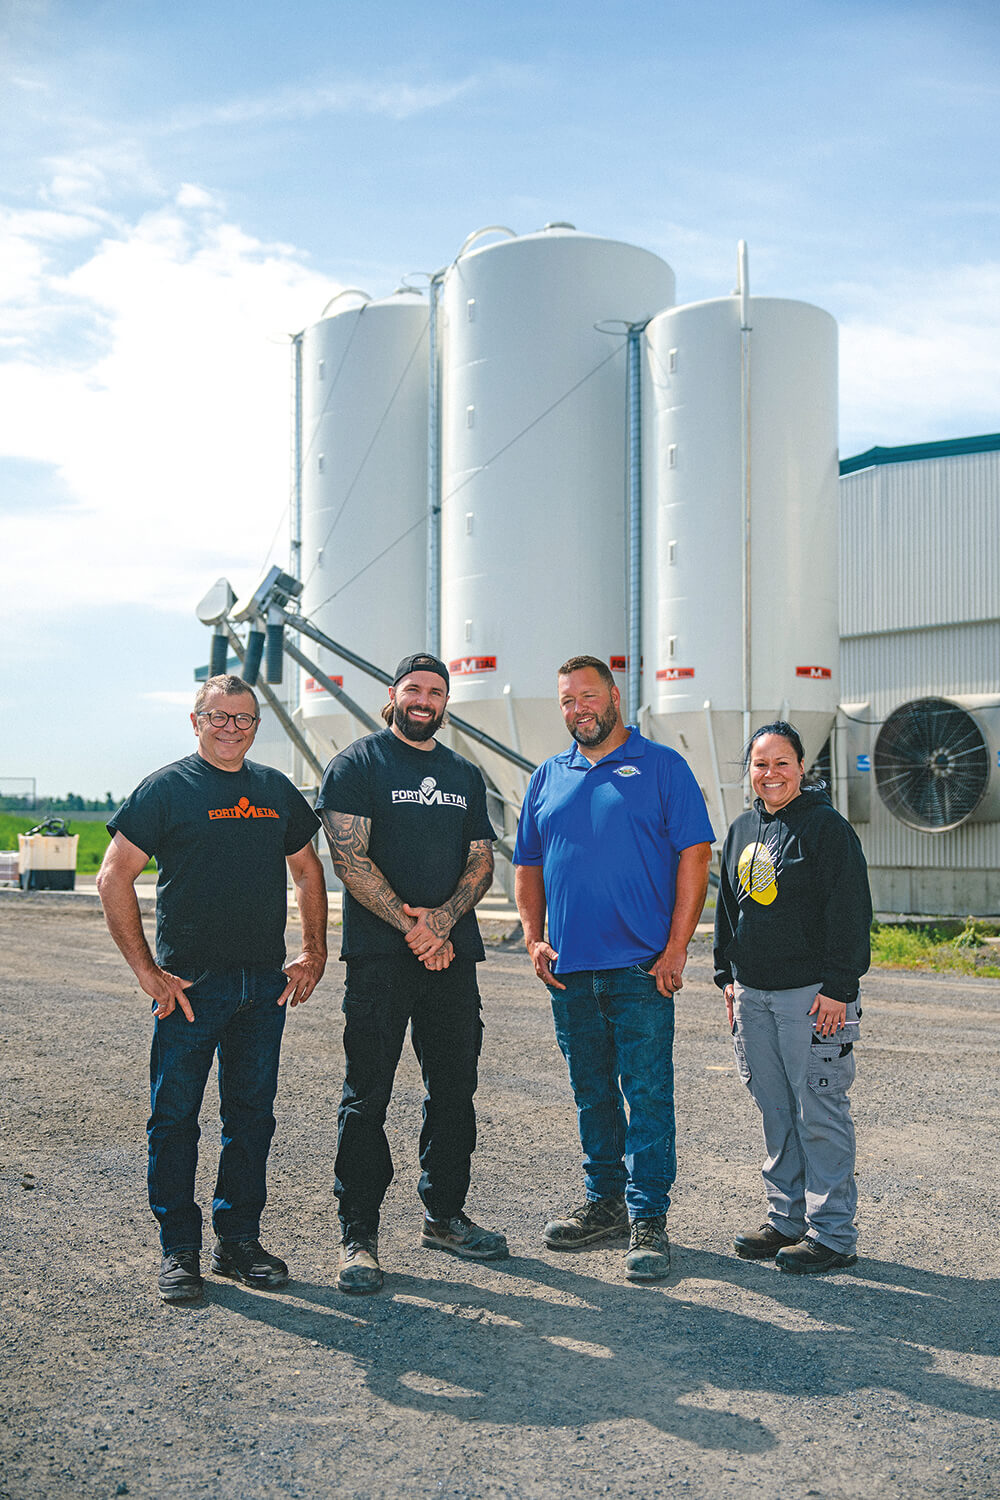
544,1376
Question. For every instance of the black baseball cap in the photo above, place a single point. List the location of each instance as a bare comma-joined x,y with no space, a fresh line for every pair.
421,661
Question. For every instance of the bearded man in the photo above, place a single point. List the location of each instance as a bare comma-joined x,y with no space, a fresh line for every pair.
614,843
410,838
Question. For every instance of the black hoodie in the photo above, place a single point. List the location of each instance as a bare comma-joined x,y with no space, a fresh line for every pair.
794,907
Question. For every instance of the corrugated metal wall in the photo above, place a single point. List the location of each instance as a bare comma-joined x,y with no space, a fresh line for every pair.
920,544
920,616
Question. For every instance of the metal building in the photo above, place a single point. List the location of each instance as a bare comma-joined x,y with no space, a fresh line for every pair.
918,740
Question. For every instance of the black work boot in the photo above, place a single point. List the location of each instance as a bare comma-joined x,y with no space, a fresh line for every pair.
763,1243
180,1276
246,1261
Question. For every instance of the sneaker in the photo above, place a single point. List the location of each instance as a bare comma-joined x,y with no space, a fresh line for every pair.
358,1269
597,1219
809,1258
648,1255
459,1236
763,1243
244,1260
180,1277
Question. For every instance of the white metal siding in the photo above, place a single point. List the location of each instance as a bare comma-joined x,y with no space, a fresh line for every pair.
891,669
920,543
920,616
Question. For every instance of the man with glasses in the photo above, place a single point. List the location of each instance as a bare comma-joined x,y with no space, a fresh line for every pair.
222,830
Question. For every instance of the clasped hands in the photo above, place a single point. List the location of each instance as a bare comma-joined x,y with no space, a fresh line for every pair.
428,938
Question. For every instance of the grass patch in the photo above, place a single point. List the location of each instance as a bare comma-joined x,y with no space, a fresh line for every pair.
942,947
94,839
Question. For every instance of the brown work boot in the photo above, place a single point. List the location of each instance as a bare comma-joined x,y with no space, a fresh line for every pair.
597,1219
459,1236
358,1269
648,1256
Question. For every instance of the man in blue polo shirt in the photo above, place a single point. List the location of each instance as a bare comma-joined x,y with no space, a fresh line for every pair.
614,842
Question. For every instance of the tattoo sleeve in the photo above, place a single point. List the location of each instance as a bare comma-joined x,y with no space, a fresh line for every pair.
347,836
474,882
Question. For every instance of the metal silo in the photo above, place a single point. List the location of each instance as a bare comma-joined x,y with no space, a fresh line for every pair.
364,495
740,531
533,442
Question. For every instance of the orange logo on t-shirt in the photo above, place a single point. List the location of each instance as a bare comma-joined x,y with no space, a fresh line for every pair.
243,809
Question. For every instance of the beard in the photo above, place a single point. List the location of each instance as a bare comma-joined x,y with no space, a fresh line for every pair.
600,730
416,729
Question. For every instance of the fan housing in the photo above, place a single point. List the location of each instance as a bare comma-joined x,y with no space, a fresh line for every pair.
936,762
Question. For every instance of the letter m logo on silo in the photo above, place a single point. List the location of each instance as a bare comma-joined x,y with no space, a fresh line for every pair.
465,666
813,672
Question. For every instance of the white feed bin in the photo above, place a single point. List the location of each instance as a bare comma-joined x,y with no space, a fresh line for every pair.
533,391
700,396
364,497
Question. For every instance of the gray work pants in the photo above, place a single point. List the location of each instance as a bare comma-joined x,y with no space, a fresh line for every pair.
801,1091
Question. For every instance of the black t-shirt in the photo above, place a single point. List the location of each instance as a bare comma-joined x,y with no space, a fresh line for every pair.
220,839
426,807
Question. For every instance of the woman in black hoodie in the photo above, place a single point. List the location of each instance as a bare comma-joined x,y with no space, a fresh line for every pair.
792,929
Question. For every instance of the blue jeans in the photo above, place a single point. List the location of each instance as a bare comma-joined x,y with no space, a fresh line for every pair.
616,1032
235,1014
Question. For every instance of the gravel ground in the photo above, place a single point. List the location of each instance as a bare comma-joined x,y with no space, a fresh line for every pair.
544,1376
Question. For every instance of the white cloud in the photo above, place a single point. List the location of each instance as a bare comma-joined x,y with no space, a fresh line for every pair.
112,165
395,99
919,358
168,423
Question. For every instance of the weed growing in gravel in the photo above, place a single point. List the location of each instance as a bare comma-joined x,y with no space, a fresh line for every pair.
940,948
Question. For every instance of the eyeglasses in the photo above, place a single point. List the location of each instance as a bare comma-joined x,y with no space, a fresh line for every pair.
219,720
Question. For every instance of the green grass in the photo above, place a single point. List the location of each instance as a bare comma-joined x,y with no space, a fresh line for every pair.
942,948
89,852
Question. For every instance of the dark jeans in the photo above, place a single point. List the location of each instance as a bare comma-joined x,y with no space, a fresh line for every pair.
235,1014
382,996
616,1032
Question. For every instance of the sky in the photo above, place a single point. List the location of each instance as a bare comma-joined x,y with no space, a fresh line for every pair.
185,185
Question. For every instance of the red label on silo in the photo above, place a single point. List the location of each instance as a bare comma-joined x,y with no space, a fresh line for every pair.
813,672
468,666
312,686
671,674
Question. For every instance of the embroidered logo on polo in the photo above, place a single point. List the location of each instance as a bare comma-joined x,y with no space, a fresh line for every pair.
429,794
757,874
243,809
627,771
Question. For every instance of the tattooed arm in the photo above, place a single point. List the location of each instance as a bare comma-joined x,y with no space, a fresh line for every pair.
348,837
431,929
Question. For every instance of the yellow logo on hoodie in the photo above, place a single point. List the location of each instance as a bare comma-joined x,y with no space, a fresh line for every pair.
756,874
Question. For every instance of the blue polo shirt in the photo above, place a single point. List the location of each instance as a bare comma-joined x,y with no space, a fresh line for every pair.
608,837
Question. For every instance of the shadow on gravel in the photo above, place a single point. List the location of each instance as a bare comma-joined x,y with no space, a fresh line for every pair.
876,1299
604,1352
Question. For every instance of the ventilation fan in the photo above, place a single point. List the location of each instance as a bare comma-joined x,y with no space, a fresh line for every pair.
934,763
